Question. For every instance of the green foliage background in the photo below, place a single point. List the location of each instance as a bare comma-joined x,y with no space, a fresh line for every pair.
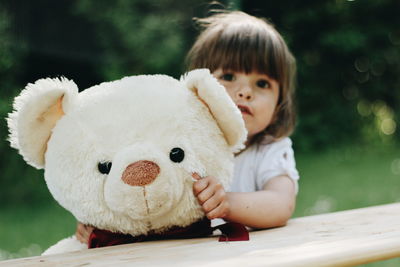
348,55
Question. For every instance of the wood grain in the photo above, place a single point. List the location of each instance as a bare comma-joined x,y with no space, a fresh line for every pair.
343,238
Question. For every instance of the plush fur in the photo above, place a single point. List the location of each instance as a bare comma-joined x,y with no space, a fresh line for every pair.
135,119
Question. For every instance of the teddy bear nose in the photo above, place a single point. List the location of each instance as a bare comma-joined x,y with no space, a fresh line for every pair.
140,173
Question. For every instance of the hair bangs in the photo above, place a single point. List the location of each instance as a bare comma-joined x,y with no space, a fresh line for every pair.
244,51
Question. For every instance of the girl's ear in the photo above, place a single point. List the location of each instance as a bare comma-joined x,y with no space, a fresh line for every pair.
221,106
35,113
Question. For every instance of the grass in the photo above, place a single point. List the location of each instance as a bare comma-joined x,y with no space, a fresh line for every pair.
347,178
330,181
28,230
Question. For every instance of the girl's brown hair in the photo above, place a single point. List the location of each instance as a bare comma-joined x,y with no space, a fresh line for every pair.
236,41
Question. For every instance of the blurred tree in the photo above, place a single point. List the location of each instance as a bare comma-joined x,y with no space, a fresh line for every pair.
16,182
348,55
140,36
58,42
38,39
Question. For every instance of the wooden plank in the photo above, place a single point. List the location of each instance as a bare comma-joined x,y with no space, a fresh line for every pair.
343,238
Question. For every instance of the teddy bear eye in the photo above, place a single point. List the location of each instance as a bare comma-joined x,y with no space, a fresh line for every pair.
177,154
104,167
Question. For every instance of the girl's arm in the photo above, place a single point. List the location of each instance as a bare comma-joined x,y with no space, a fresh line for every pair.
270,207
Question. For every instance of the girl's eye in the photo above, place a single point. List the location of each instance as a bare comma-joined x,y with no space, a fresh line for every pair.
227,77
263,84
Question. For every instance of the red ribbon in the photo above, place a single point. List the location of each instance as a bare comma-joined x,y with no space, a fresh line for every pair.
230,232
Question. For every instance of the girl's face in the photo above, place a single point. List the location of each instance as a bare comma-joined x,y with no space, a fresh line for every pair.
255,94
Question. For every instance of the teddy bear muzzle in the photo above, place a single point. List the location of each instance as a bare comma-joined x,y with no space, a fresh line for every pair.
140,173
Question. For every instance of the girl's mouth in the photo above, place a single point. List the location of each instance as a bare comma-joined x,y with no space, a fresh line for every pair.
245,110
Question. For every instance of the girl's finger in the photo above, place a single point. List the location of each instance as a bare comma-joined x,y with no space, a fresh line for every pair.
88,231
210,204
219,212
196,176
204,195
199,186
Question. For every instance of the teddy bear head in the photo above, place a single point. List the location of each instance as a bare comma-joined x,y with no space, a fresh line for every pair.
120,155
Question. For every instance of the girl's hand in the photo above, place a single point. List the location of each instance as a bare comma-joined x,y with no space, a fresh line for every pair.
83,232
211,196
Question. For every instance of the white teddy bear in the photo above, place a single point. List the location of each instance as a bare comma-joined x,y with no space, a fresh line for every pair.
120,155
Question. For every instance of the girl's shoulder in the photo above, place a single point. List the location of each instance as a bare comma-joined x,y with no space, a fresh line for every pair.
258,152
272,148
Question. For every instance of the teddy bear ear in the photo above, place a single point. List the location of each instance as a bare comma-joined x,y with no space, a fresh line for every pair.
221,106
35,113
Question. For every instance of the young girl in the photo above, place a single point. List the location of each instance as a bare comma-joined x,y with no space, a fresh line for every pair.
250,58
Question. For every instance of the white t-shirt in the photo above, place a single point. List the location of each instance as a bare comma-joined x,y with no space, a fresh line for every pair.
259,163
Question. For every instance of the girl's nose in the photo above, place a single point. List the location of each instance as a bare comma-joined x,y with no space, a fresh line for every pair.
244,92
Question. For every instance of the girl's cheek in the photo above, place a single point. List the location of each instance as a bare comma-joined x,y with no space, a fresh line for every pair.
222,82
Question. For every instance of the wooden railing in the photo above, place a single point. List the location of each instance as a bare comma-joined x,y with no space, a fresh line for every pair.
343,238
